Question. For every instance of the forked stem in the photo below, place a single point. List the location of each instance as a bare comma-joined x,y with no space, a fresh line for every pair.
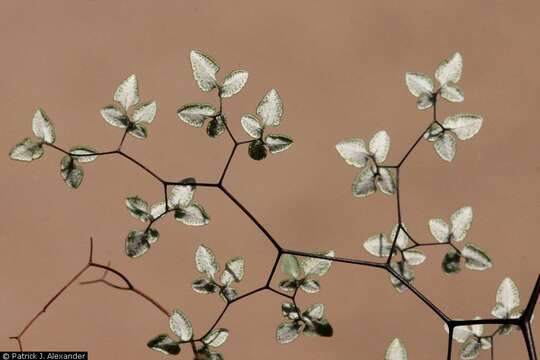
523,322
90,264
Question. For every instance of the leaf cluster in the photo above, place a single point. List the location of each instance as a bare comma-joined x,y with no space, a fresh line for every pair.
300,275
211,282
369,158
127,113
268,114
472,338
460,126
179,199
181,327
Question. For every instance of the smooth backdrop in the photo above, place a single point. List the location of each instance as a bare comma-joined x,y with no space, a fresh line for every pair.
339,67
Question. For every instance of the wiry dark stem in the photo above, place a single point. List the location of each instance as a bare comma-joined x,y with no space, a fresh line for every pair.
241,297
165,197
222,177
19,336
336,259
425,244
274,267
277,292
398,198
508,321
409,236
106,282
421,135
116,272
217,320
450,337
523,322
88,265
129,286
117,152
529,310
194,349
153,174
151,300
394,241
57,148
252,218
419,295
526,319
230,133
122,140
529,340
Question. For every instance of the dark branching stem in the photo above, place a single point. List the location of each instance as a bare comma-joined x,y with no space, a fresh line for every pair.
450,338
528,313
19,336
274,268
421,135
526,319
410,237
336,259
90,264
529,340
222,177
112,152
122,140
523,322
398,199
235,300
121,153
252,218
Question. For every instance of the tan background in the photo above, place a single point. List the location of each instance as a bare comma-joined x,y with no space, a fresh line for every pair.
340,69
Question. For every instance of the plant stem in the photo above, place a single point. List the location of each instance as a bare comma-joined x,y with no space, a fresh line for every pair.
523,321
88,265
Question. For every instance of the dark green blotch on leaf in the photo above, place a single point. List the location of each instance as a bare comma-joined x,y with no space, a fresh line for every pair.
137,243
257,150
205,285
216,126
164,344
228,293
179,213
318,327
289,284
139,131
70,172
205,353
451,262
